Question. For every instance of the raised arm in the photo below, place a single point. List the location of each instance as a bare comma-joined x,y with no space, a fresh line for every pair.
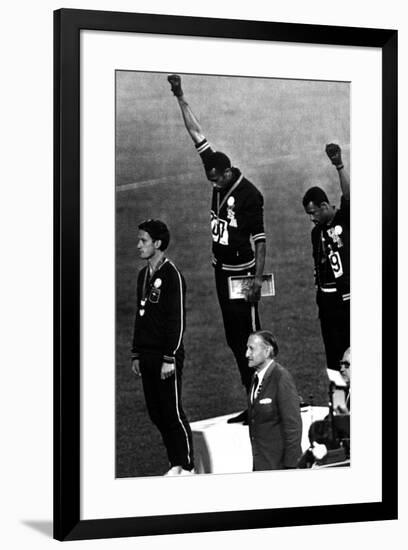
190,121
333,151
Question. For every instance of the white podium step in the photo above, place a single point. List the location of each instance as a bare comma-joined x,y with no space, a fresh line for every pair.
222,448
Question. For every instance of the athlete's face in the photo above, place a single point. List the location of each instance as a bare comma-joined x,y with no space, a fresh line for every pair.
258,353
318,215
219,179
345,366
146,246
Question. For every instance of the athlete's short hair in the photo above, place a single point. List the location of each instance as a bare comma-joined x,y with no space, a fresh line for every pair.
269,339
217,160
316,195
158,231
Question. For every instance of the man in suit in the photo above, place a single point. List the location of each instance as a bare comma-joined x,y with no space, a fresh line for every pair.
275,424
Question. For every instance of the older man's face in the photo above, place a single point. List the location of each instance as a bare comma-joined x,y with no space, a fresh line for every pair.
258,353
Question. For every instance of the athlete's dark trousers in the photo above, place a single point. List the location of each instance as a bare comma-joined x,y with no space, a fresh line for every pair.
334,317
240,320
163,400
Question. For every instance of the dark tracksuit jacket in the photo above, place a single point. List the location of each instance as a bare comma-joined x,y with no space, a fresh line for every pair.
158,337
236,225
331,254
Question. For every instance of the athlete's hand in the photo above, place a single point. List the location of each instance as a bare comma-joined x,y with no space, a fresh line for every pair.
333,151
135,367
254,291
167,370
175,83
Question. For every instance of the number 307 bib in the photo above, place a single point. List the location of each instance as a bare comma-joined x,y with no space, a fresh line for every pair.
219,230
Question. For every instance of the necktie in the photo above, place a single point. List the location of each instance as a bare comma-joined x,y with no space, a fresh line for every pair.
255,386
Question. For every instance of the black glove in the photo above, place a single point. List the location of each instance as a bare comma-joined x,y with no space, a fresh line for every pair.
333,151
175,81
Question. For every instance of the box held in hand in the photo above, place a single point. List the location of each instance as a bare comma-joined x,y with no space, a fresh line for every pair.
239,285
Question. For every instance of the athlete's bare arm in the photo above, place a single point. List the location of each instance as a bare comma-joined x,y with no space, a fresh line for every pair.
254,293
333,151
190,120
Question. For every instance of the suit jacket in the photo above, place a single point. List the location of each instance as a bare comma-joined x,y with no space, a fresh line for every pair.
275,424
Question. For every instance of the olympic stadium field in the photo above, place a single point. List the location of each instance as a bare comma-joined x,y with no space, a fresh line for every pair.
275,131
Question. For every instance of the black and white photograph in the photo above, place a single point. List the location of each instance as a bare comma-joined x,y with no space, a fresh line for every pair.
214,184
150,150
232,219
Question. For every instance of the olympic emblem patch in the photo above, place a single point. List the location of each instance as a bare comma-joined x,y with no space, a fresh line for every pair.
334,233
154,295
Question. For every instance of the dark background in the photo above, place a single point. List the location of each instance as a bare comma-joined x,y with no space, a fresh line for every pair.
275,131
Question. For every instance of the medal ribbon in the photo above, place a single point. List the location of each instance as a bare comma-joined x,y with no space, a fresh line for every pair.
147,285
219,206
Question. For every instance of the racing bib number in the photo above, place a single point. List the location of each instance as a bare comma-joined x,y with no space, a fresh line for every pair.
336,265
219,230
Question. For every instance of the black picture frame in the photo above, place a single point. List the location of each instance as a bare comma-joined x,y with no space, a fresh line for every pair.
67,292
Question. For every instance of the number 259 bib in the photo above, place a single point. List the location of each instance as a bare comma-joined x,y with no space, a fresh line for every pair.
336,265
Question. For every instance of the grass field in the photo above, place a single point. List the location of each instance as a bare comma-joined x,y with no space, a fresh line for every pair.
275,132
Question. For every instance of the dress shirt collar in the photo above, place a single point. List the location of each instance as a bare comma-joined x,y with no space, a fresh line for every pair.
262,372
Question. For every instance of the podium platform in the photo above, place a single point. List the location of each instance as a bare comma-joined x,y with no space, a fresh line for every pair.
222,448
